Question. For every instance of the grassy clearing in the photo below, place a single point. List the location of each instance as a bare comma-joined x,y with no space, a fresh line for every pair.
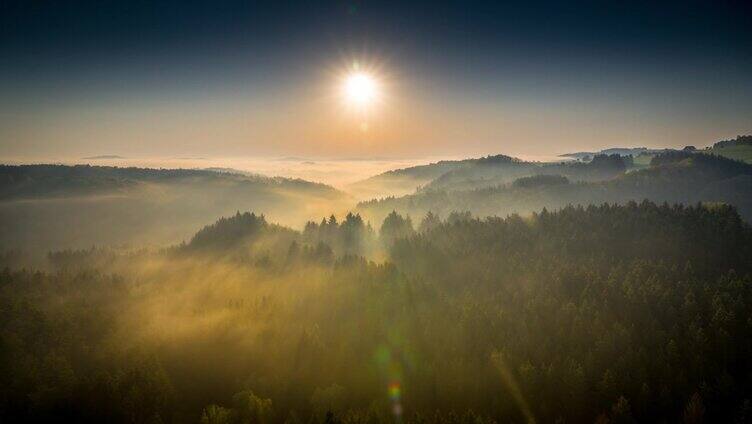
742,153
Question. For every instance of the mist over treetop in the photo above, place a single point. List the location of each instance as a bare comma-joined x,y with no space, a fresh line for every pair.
674,176
351,212
469,309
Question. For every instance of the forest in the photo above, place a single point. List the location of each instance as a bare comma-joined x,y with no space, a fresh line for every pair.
672,176
605,289
602,313
367,212
53,207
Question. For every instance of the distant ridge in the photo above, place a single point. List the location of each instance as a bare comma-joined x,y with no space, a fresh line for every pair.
685,177
37,181
621,151
44,207
225,170
104,157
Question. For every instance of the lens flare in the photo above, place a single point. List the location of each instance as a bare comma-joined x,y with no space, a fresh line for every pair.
395,391
395,395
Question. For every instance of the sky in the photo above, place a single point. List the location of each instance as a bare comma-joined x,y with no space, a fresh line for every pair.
229,79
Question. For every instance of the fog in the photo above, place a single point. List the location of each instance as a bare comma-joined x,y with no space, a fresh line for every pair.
248,322
82,207
335,172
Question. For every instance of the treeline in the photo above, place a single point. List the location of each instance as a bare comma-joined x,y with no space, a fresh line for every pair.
32,181
57,207
489,171
498,170
674,177
350,237
632,313
740,140
229,233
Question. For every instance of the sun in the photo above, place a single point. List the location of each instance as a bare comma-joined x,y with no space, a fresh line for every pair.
360,88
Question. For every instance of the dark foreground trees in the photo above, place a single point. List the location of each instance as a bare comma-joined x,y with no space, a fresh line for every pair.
635,313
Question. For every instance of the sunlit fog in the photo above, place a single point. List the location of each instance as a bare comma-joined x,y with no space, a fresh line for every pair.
350,212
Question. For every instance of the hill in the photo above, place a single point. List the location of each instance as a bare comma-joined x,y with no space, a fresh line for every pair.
56,206
404,180
674,177
741,140
482,172
739,148
502,170
621,151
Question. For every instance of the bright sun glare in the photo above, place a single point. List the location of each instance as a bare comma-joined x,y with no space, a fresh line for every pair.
360,88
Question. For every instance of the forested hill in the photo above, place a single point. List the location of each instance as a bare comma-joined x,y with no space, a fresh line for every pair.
674,177
484,172
432,170
404,180
739,148
49,207
634,313
500,169
39,181
742,140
